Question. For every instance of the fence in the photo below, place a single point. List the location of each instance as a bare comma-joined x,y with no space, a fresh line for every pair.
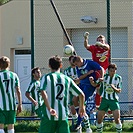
49,37
125,114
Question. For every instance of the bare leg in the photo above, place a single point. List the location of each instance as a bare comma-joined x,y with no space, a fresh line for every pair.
1,128
10,128
99,123
116,114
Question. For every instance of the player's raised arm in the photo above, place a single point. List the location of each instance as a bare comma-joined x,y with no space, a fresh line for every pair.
86,37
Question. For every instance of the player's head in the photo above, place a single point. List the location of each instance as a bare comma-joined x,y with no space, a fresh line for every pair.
55,62
36,73
4,63
78,61
101,39
112,69
71,61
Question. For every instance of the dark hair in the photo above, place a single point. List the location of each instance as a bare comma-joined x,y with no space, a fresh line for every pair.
34,69
4,62
72,56
113,66
55,62
76,59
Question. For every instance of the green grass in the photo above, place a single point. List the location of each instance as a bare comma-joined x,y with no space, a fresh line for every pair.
33,126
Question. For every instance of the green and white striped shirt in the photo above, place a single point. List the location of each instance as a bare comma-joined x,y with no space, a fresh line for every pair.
8,83
58,86
71,72
34,89
106,90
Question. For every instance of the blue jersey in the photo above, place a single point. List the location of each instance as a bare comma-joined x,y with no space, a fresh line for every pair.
85,84
87,66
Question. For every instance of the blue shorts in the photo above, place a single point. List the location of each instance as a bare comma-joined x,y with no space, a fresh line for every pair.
87,89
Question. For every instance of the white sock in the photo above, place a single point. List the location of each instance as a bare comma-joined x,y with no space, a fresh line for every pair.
1,130
119,127
11,131
99,127
75,118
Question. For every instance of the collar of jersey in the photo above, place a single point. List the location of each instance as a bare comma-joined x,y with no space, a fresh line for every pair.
3,70
84,64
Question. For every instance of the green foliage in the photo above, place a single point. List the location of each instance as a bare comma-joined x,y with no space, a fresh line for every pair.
4,2
27,126
33,126
25,113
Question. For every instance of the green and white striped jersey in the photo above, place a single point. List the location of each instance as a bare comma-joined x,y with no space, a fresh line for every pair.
34,90
106,90
8,83
71,72
58,86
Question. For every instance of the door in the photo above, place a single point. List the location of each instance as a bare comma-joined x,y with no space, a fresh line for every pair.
23,69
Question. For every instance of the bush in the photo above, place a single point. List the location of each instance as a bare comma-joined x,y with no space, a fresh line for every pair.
33,126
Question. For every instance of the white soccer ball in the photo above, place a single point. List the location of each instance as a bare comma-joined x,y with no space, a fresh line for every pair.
68,50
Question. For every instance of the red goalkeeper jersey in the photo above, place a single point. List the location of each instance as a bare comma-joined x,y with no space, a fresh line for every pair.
100,55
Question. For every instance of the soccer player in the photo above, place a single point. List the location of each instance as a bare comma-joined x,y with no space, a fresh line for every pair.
33,92
85,69
71,72
9,86
55,88
110,87
100,54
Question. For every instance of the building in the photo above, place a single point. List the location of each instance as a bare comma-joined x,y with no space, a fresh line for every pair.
15,33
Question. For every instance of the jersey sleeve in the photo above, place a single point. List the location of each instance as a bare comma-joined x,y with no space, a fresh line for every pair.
30,88
17,82
78,72
120,82
91,48
43,83
74,89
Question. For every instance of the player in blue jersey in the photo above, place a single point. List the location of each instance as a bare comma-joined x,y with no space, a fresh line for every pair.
85,69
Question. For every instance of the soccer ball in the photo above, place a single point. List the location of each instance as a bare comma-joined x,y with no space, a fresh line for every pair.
68,50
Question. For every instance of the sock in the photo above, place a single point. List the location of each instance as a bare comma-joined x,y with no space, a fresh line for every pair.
77,109
75,118
86,121
99,127
79,118
119,128
11,131
1,130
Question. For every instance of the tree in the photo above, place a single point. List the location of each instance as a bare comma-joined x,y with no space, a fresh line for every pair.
4,2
